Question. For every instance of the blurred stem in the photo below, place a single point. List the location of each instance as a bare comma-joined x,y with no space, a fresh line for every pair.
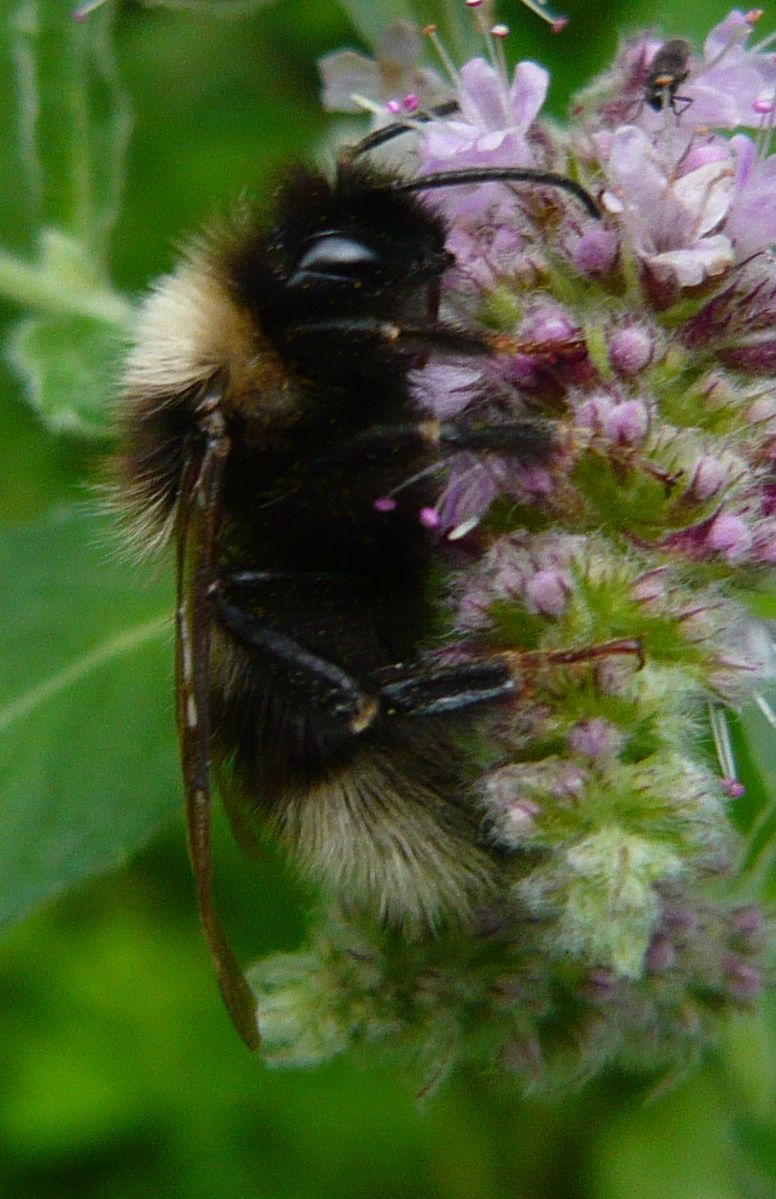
43,289
73,120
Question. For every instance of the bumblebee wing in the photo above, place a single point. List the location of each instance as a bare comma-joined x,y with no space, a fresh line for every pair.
196,527
242,814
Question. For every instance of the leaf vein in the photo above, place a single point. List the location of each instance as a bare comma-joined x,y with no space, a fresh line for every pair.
114,647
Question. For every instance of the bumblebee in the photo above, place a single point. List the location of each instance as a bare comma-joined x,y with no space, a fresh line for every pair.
266,406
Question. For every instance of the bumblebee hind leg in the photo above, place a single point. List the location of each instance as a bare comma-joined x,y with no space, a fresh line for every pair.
363,779
353,706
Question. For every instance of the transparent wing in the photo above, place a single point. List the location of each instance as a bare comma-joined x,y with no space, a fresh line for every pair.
196,527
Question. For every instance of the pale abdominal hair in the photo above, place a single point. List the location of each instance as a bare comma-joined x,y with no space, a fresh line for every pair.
407,853
363,834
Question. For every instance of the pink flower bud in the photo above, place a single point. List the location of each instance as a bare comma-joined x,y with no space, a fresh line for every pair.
748,921
599,985
729,536
548,592
521,818
549,324
595,738
596,252
535,482
744,982
630,350
708,477
682,918
763,409
627,423
661,955
592,414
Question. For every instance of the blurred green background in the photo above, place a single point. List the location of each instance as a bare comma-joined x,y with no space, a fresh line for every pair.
119,1074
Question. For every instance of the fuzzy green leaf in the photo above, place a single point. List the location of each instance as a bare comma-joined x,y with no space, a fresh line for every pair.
66,363
86,728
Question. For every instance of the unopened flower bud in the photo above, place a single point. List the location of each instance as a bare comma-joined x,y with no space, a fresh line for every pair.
595,738
596,252
710,474
748,923
744,981
661,955
547,592
630,350
520,819
729,536
627,423
599,985
593,413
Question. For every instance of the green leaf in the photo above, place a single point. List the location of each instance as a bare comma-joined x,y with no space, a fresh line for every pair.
74,121
758,720
67,363
86,726
682,1151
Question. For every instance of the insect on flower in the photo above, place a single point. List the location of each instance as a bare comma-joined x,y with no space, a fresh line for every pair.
267,420
667,72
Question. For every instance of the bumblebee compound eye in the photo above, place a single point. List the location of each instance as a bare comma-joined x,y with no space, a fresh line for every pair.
335,257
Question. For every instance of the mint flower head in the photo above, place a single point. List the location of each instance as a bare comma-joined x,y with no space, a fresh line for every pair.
616,569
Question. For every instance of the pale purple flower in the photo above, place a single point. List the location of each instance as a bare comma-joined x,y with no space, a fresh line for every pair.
494,120
751,222
472,486
727,84
673,219
392,75
730,85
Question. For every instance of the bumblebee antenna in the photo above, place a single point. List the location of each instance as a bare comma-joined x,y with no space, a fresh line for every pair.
499,175
388,132
468,174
